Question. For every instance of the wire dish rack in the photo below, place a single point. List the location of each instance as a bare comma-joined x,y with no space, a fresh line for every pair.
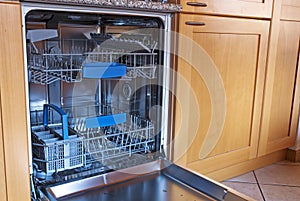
48,68
111,134
90,138
64,59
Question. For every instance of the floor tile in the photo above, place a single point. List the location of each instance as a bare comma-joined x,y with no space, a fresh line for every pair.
248,189
286,162
248,178
279,174
280,193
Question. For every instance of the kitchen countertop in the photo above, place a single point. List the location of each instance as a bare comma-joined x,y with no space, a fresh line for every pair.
127,4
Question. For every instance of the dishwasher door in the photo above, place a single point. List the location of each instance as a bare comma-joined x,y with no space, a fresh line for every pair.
157,180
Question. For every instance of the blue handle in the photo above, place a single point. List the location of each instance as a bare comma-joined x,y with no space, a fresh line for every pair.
102,121
103,70
63,115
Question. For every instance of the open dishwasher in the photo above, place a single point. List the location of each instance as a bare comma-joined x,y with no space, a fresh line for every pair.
99,102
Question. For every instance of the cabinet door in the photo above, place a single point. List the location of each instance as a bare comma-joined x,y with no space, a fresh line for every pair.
219,91
281,105
250,8
13,103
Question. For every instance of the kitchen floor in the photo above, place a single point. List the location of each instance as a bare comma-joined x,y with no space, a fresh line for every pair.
276,182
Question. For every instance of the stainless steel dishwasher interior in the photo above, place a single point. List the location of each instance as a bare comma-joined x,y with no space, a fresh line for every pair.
95,90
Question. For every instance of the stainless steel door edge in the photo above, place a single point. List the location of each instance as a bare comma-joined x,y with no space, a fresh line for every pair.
72,188
163,171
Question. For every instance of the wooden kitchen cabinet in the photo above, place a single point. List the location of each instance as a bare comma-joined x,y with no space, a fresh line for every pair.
282,96
221,67
14,165
246,8
258,62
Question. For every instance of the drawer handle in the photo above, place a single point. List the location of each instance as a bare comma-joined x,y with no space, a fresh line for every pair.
199,4
195,23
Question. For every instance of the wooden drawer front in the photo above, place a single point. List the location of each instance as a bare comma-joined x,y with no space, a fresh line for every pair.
248,8
290,10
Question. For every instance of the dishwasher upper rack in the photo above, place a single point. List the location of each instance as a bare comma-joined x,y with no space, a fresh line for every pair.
64,59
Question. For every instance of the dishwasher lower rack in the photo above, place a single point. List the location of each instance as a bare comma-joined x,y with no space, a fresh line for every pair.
87,145
65,59
156,180
109,132
116,141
